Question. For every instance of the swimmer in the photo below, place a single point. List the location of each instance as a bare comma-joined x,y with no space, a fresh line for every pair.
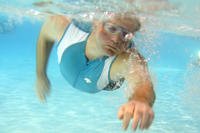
96,56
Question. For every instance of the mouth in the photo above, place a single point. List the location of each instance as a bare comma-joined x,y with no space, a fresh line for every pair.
112,48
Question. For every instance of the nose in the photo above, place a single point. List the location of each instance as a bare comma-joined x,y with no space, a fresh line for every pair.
116,38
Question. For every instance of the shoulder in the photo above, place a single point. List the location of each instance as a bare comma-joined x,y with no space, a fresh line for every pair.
83,25
54,26
131,54
123,61
59,20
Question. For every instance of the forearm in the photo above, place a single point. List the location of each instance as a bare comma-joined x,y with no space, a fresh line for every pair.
44,47
144,92
140,81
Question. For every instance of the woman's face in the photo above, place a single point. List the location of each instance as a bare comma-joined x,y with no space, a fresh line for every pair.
112,37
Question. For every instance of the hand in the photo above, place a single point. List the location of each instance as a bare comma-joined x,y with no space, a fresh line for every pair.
140,112
42,87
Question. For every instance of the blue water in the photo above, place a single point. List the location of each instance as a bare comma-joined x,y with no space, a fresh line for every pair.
71,111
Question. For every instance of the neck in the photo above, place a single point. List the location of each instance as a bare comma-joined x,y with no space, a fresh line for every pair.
93,51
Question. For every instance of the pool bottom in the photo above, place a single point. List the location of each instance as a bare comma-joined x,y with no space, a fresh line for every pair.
69,110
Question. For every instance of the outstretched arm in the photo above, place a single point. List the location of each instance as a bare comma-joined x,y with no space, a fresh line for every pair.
141,98
51,31
139,79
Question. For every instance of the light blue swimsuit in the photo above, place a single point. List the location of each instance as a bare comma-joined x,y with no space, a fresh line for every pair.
89,76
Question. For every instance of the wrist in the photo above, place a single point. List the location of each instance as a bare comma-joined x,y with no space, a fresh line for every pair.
142,99
41,74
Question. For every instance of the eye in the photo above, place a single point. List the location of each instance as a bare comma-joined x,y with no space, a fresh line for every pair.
112,29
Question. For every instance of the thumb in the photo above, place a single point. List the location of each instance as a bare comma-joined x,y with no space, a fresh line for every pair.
121,112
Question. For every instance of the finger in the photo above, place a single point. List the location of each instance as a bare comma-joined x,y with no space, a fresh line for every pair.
41,97
126,119
144,120
121,113
46,88
128,114
41,94
150,120
136,119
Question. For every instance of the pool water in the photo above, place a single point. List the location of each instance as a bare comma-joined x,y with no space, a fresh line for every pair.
70,111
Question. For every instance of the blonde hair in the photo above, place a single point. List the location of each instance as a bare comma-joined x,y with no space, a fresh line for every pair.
129,18
124,18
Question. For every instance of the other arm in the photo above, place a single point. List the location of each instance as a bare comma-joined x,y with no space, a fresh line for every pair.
51,31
